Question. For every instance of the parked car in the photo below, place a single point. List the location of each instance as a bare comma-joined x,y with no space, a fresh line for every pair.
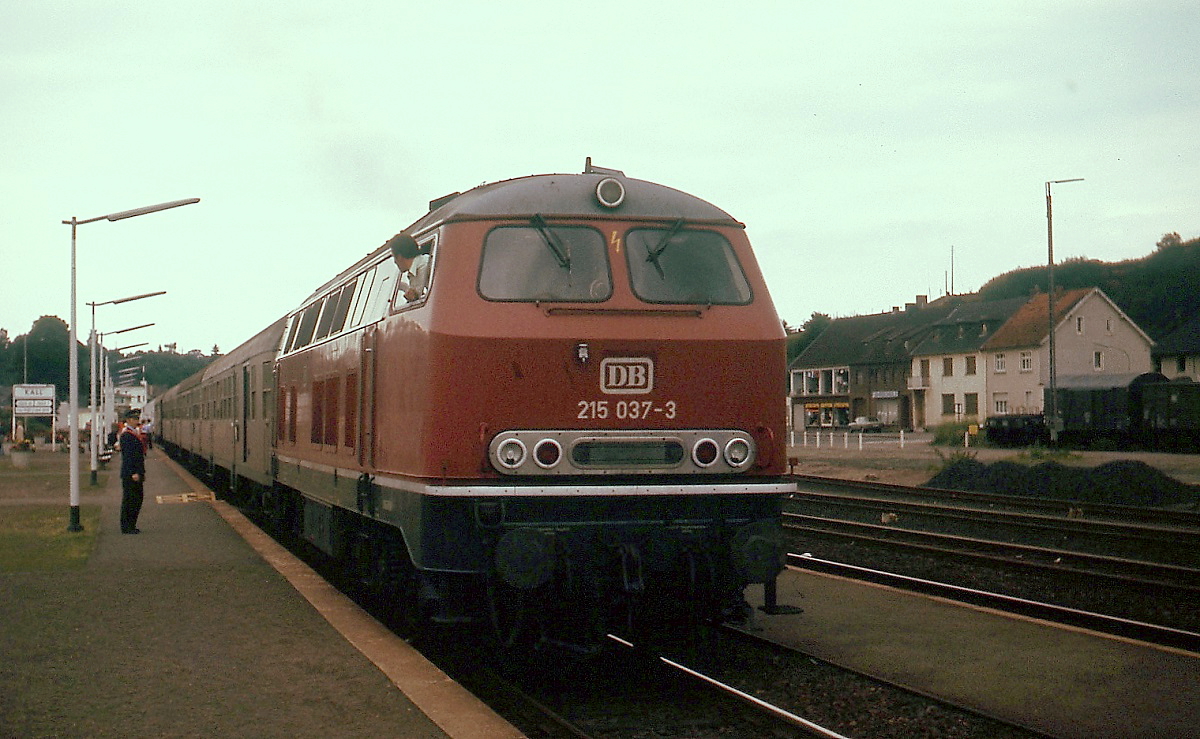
866,424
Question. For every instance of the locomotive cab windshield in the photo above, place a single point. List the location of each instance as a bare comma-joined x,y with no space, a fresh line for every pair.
674,265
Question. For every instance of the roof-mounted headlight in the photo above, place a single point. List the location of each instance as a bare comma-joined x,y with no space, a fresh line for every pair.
610,192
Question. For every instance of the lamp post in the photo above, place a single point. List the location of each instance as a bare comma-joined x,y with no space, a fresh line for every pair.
1052,419
96,342
73,355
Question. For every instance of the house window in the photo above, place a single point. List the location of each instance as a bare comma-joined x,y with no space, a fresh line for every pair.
947,366
1078,324
999,362
971,404
1026,361
925,371
1108,325
947,404
1097,360
971,365
1000,402
841,381
1181,364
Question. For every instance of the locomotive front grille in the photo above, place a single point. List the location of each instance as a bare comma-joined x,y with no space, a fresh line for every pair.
549,452
605,453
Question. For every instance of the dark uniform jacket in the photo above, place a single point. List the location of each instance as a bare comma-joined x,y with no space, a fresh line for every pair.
133,454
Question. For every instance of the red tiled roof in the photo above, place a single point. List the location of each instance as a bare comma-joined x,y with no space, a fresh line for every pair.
1029,325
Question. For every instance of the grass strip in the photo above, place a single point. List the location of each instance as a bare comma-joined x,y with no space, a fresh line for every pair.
34,538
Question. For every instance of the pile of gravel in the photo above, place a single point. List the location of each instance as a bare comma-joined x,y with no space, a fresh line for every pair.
1122,483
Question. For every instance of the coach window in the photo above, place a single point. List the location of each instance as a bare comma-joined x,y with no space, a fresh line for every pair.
676,265
544,262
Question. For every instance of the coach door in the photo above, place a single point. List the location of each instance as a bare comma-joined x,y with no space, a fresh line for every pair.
244,421
366,398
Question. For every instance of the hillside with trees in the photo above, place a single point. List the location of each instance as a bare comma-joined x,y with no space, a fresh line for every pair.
1159,291
40,357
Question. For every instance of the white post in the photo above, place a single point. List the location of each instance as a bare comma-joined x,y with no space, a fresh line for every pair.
901,438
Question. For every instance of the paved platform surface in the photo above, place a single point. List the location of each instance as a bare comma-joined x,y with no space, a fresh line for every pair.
1065,683
198,626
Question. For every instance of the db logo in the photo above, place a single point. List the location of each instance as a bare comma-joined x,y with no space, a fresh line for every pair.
626,375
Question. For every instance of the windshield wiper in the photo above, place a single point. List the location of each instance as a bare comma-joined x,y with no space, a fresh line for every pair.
653,254
562,255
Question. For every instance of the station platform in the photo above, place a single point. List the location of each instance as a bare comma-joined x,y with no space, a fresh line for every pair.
202,626
1056,681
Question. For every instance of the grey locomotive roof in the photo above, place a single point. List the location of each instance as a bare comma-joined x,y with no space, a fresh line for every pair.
570,195
552,195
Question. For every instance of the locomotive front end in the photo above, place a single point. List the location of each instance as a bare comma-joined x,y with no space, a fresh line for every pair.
626,398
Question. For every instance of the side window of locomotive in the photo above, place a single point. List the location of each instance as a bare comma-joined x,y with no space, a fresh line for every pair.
291,336
333,318
543,262
361,296
674,265
380,297
308,323
412,285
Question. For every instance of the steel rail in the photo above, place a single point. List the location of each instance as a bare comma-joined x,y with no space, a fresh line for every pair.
730,691
1113,625
1133,571
1111,511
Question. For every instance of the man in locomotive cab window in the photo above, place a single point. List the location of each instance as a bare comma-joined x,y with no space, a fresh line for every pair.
414,266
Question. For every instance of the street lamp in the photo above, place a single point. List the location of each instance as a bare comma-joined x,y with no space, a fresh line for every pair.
1052,419
96,361
73,356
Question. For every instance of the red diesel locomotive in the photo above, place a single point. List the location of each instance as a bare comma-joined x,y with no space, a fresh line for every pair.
566,412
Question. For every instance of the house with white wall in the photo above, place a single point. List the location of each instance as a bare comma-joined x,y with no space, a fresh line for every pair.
948,380
1092,336
1177,355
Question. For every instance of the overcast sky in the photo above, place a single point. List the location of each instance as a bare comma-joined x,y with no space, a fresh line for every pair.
858,141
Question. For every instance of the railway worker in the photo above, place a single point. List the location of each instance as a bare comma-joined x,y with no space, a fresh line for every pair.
148,433
133,472
414,266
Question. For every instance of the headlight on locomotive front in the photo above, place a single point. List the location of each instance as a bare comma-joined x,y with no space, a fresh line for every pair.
705,452
511,453
738,453
547,453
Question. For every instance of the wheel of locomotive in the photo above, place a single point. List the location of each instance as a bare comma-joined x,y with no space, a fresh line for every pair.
275,504
513,623
388,579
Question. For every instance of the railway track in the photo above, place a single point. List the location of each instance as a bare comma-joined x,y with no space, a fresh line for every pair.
1129,628
1135,566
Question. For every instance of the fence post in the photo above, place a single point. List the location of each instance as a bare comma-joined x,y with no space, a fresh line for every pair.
901,438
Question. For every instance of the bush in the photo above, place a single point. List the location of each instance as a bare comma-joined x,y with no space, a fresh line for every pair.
951,434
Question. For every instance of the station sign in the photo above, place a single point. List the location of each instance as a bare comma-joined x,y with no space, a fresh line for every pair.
33,400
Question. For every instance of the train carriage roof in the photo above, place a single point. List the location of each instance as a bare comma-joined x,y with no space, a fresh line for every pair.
1108,382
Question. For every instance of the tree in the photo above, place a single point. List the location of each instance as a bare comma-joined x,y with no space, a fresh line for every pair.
1169,240
809,330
